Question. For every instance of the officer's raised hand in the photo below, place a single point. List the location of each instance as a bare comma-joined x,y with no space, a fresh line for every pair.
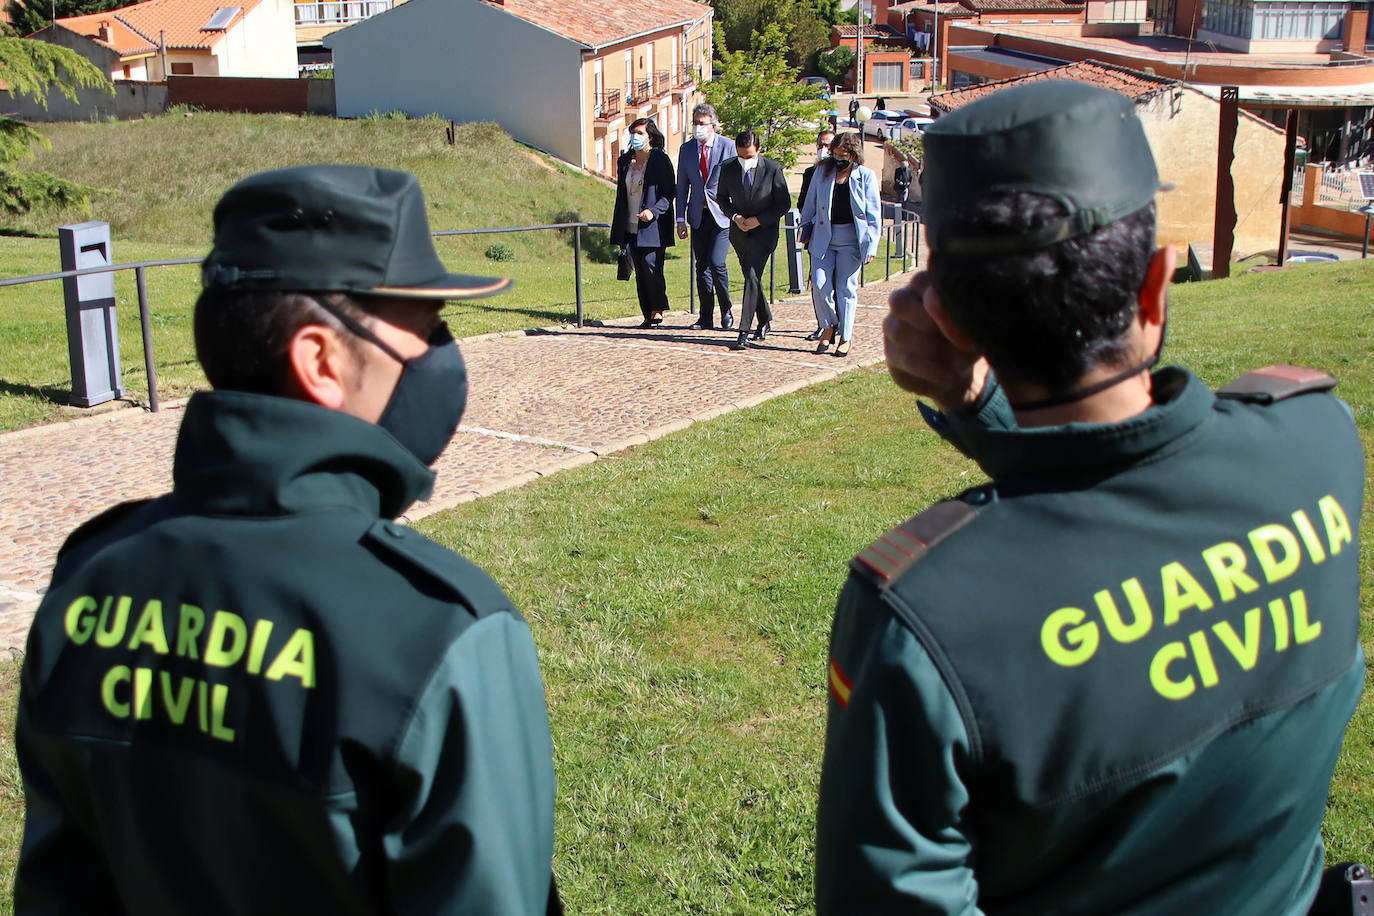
926,354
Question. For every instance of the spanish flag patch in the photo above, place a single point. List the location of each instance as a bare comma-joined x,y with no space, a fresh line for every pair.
840,684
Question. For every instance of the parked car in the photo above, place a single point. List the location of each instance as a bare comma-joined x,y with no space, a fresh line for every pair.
821,85
892,125
881,121
908,127
1311,257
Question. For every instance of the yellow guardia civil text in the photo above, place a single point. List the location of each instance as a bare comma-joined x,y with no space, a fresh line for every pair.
1220,574
223,639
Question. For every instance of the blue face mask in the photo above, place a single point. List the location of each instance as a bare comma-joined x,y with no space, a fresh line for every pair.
638,142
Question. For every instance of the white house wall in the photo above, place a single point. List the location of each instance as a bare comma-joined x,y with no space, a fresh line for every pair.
262,44
465,61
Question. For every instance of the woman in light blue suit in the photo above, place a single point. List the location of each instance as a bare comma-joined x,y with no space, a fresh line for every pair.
842,218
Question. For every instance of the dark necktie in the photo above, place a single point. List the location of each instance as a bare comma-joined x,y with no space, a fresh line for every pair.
749,179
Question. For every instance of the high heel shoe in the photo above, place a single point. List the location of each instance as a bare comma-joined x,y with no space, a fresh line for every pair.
842,348
826,337
761,332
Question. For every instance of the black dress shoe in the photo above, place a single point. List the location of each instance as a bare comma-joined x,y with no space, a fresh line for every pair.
727,321
761,332
700,327
815,335
742,342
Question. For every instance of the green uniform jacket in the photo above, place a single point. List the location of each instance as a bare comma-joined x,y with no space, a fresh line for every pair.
259,695
1115,680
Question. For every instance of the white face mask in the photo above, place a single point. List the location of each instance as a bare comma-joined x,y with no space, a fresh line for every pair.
748,164
823,154
700,132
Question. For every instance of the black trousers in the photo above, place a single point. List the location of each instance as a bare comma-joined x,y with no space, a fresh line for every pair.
753,249
649,282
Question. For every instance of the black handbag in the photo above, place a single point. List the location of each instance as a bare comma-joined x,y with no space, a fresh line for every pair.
625,266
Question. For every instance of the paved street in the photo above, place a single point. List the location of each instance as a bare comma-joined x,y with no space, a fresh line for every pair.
541,402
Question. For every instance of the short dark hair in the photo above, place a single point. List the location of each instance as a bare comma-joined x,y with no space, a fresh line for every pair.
1050,315
656,140
820,135
747,137
848,142
242,337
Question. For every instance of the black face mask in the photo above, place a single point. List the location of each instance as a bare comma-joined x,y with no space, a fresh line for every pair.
429,397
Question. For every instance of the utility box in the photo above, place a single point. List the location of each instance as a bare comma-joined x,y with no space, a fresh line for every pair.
795,264
92,334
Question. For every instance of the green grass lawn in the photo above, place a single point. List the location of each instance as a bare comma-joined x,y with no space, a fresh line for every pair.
681,593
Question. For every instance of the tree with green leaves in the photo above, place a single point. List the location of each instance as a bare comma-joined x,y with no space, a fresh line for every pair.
827,11
29,17
33,68
758,88
805,32
836,63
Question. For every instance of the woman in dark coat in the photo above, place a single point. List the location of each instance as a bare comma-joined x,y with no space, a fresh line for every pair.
643,219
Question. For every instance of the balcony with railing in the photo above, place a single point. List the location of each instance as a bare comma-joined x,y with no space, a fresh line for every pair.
687,74
339,13
663,82
606,105
637,92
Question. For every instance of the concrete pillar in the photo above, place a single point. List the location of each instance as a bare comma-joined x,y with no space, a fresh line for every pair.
1356,29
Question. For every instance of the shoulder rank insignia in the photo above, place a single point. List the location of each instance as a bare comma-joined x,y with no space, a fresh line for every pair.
883,561
1277,383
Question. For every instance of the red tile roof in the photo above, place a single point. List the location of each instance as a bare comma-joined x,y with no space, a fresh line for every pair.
597,23
951,8
134,29
879,31
1133,84
1024,6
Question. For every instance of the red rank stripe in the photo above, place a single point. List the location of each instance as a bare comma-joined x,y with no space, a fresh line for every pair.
840,684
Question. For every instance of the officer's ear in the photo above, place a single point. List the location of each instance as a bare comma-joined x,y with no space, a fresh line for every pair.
1154,291
319,364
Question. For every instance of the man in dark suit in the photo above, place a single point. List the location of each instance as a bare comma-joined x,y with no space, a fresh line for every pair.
823,140
698,177
754,196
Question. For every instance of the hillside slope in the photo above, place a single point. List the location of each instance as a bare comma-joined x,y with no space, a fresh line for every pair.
160,177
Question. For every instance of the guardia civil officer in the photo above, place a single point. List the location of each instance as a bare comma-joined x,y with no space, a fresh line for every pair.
258,693
1115,678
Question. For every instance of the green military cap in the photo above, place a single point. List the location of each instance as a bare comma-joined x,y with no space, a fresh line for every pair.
1079,144
332,228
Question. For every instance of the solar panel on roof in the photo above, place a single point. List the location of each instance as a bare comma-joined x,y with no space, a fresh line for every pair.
1367,185
220,21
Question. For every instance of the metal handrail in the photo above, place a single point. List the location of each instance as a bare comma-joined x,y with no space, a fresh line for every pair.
607,104
333,11
636,92
145,317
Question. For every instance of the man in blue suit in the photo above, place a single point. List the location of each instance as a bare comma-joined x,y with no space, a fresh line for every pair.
698,173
